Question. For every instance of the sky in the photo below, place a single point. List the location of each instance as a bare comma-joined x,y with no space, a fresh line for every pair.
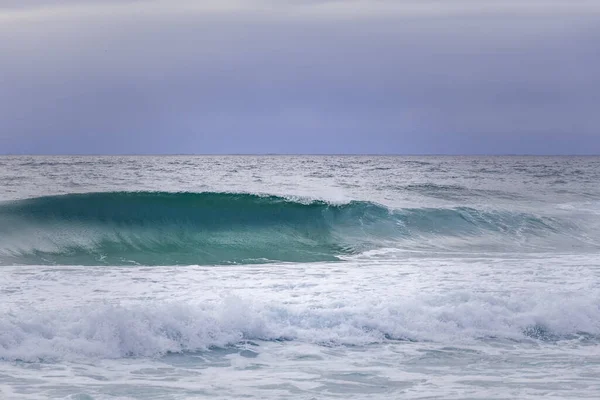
299,76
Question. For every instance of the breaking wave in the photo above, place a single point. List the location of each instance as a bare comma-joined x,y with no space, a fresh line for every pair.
158,328
160,228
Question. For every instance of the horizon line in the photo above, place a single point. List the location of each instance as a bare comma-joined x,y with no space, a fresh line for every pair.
293,154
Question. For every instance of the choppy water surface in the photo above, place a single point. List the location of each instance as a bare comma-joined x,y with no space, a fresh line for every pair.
299,277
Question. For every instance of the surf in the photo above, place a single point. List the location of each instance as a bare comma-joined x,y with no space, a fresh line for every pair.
213,228
158,328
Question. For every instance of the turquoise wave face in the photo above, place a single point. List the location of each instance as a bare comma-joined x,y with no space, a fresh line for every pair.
176,228
155,228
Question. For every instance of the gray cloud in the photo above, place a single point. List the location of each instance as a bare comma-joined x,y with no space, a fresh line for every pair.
16,5
214,80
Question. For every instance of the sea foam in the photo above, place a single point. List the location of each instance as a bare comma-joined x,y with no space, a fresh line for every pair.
157,328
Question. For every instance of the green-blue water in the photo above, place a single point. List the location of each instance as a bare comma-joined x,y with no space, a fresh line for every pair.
162,228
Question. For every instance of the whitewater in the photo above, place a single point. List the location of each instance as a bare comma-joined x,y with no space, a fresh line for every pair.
299,277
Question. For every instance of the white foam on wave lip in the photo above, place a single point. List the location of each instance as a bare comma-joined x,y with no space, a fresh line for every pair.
154,329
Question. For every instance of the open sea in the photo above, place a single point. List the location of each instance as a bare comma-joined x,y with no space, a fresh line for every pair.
299,277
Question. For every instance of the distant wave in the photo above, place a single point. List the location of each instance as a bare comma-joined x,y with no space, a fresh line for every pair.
457,192
158,328
160,228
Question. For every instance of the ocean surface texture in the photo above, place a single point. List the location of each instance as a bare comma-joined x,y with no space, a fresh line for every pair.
298,277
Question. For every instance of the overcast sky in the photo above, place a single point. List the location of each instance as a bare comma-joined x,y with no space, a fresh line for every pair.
300,76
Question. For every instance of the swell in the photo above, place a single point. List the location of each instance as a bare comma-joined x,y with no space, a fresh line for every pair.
161,228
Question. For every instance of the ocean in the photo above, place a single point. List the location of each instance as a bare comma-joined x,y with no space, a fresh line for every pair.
299,277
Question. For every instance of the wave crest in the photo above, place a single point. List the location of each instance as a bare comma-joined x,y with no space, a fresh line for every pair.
160,228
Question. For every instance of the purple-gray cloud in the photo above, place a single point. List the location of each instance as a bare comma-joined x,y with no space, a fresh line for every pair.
225,78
